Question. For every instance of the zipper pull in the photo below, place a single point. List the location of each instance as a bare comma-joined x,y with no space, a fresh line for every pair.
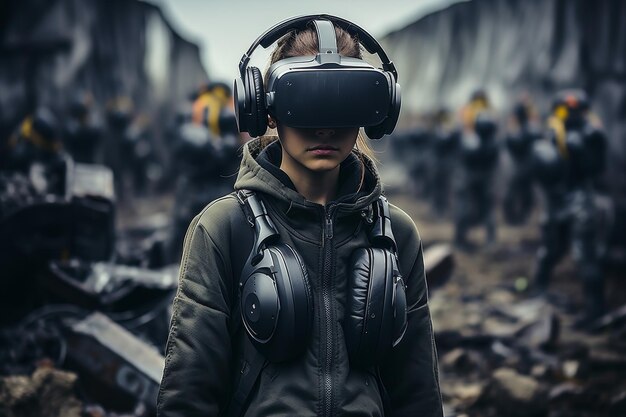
328,232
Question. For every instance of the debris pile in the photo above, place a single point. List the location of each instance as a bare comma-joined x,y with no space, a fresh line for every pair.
503,353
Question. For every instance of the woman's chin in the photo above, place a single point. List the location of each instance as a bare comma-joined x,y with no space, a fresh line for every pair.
322,165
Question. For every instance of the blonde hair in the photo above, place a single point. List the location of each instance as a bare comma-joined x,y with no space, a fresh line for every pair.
304,42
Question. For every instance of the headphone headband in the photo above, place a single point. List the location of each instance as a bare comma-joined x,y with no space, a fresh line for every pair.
300,22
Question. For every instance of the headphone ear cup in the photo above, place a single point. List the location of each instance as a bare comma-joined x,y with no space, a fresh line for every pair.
293,324
369,322
389,124
239,96
257,109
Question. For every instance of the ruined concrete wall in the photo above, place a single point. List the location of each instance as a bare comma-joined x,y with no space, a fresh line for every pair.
510,46
50,48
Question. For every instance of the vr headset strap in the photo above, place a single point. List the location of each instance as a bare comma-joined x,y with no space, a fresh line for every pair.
275,32
327,40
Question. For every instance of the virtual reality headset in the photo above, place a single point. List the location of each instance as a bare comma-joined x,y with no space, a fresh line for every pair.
327,90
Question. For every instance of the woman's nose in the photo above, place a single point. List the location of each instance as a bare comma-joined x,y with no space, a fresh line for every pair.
322,133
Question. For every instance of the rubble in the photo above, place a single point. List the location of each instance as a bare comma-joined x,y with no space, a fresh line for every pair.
116,367
48,392
516,395
505,353
612,319
439,264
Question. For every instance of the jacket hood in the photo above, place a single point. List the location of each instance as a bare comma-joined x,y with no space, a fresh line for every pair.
253,176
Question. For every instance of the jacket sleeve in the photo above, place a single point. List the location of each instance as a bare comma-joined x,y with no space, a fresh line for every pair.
410,374
196,379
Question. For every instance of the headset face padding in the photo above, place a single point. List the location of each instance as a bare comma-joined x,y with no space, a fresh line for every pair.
375,308
276,303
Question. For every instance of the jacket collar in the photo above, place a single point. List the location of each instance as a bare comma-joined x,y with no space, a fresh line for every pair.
259,172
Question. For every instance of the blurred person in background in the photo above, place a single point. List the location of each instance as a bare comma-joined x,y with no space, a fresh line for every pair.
213,109
523,132
142,164
568,164
446,140
206,157
478,158
412,148
36,150
82,134
119,114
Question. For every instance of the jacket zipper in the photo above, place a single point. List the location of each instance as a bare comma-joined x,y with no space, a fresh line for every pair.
327,236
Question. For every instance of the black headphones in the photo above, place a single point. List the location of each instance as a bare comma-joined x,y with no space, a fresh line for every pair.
275,295
376,308
276,299
339,91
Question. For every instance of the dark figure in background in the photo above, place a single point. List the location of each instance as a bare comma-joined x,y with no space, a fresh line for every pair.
36,151
519,198
445,144
567,166
119,114
213,108
478,160
206,154
142,163
412,149
131,151
82,136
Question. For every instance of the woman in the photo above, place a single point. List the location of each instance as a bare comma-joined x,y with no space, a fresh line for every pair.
317,185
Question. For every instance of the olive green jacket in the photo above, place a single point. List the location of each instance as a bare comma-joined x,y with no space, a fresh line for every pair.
206,355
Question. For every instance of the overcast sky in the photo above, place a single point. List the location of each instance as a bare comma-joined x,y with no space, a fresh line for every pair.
225,29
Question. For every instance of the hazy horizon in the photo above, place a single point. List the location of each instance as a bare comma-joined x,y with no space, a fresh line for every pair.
210,24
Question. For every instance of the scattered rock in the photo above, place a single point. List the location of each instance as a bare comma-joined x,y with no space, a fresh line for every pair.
614,318
516,395
571,369
565,392
452,359
530,310
466,394
47,393
539,371
501,297
499,329
439,264
541,334
462,361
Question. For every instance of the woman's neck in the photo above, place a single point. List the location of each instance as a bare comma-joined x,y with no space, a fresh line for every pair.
316,186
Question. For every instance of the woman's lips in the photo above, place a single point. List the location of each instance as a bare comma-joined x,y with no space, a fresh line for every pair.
323,150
